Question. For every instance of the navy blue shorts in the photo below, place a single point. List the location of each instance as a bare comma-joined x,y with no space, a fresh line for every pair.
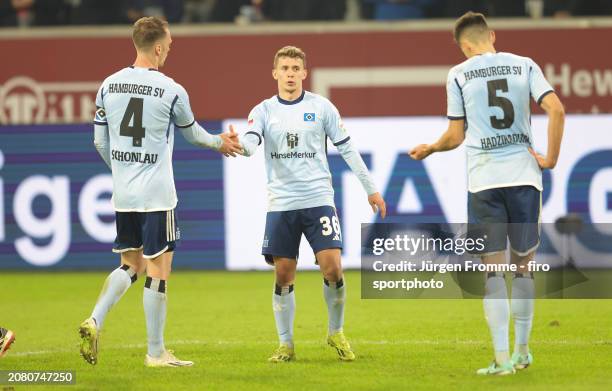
505,213
152,232
284,231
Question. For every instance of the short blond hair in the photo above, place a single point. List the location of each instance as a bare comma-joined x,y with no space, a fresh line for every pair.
147,31
291,52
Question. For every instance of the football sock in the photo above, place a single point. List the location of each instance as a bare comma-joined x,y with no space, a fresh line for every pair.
497,314
335,294
154,301
283,305
115,286
523,292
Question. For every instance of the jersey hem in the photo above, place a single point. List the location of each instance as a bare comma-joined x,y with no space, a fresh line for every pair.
145,210
304,205
500,185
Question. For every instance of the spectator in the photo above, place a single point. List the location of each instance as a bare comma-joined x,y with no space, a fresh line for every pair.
292,10
498,8
172,9
227,10
33,12
505,8
400,9
101,12
566,8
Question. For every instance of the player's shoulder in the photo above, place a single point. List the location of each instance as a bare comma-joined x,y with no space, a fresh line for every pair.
319,100
264,106
115,76
516,58
170,83
459,68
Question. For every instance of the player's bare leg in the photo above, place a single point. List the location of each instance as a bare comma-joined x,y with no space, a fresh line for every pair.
522,305
497,314
115,286
283,305
155,302
334,291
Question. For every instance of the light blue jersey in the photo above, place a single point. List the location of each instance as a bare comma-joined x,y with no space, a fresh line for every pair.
492,92
294,134
137,111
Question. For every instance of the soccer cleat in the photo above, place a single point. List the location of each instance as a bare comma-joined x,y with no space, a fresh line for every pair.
7,337
167,359
497,370
89,340
283,353
339,342
520,361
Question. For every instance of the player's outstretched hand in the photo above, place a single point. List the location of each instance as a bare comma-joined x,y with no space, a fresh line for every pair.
420,152
231,144
378,204
543,162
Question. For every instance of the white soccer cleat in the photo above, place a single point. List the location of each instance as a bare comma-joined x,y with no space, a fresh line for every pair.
167,359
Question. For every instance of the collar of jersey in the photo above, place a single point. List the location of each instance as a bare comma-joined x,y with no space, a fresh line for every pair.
291,102
150,69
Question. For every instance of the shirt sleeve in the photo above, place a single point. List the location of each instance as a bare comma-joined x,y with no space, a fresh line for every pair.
100,116
538,85
101,137
334,128
254,135
454,98
181,109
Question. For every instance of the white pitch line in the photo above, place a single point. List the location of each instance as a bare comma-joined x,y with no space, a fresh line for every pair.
308,342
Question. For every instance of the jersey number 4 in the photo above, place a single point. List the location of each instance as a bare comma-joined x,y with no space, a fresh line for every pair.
133,114
499,101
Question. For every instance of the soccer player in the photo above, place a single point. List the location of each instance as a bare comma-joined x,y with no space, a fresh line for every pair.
294,126
137,110
488,98
7,337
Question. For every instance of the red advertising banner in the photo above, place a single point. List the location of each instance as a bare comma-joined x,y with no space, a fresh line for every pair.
51,76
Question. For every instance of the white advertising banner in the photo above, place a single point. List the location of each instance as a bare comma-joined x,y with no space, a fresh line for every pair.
434,188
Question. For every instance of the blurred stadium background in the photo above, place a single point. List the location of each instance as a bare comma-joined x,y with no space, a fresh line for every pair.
385,73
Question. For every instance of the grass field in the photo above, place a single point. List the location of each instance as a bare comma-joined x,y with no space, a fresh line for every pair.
223,321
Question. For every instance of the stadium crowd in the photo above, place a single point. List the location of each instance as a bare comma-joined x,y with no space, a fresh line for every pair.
26,13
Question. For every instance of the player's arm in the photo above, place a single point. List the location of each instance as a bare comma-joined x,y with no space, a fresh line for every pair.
556,121
455,111
342,141
451,139
102,143
544,95
226,143
253,137
101,137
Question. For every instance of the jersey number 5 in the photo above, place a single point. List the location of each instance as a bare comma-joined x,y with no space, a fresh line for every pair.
499,101
136,131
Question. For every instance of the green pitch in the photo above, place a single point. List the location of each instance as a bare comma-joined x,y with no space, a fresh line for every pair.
223,321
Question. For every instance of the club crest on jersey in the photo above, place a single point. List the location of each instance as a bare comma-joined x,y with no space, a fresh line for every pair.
309,117
292,140
100,115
